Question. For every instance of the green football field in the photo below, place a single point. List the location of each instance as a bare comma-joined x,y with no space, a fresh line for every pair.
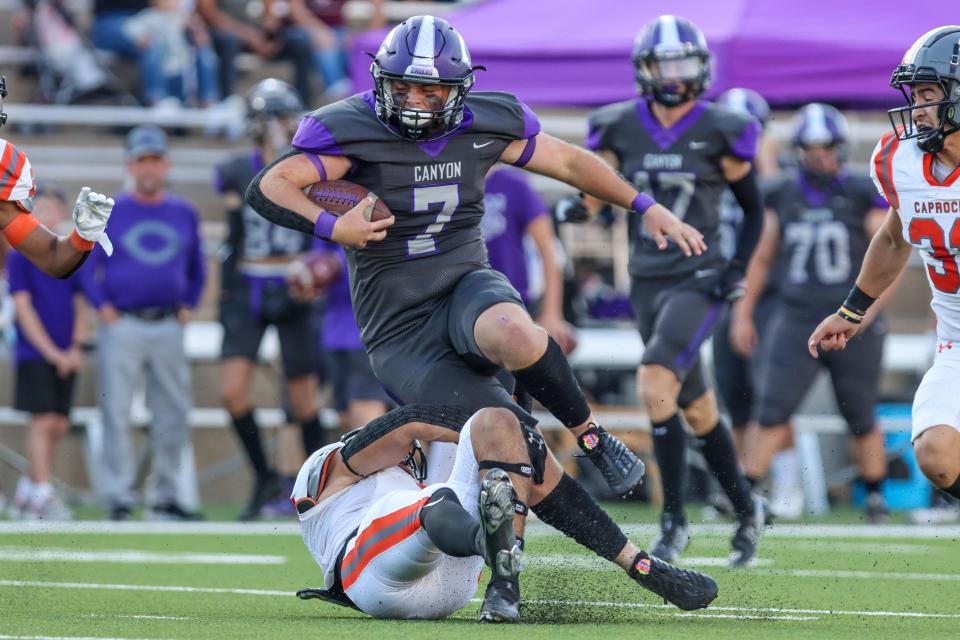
225,580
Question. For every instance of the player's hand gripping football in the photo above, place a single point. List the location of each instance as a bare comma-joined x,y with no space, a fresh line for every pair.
353,230
832,334
90,215
661,224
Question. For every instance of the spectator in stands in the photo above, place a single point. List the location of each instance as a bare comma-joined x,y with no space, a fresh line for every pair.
188,64
144,295
513,213
326,24
107,32
51,329
262,28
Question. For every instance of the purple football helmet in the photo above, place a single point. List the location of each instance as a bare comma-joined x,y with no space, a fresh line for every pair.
426,50
672,61
746,101
819,124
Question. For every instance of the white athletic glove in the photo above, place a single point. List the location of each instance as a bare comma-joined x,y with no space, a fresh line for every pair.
90,216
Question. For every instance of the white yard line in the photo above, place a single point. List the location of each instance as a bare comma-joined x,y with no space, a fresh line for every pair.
131,556
6,637
639,531
566,603
593,563
142,587
136,617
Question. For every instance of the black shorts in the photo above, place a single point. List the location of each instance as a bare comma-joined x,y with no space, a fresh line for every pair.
244,322
352,378
41,390
675,317
786,371
734,375
437,361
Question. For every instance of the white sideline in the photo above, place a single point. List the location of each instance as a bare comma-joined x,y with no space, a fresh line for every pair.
132,556
569,603
5,637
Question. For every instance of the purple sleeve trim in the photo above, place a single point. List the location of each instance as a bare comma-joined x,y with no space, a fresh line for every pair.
642,202
593,138
318,163
745,147
323,228
218,185
313,136
879,202
531,124
527,152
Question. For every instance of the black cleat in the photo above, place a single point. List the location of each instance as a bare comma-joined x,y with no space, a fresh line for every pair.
687,590
674,537
171,512
265,490
746,540
120,513
501,602
620,467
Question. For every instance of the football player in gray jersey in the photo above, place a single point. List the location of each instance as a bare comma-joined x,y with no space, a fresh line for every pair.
254,292
435,319
687,152
819,224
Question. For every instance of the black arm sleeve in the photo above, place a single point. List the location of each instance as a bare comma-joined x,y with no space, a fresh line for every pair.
450,417
270,209
747,193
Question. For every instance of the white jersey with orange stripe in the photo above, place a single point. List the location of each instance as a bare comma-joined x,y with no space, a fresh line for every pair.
929,210
16,176
327,526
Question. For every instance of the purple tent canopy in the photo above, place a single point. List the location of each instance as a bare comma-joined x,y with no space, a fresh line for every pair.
562,53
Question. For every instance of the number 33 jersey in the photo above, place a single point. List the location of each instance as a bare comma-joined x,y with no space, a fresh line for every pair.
435,189
929,211
680,167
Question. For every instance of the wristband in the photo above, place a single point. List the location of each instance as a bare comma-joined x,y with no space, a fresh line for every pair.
79,243
323,228
19,228
849,315
858,302
642,202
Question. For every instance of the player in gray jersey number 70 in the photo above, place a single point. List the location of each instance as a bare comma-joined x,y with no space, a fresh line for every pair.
435,319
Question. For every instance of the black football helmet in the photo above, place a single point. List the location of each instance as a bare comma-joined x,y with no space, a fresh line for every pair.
271,100
3,94
422,49
672,61
933,59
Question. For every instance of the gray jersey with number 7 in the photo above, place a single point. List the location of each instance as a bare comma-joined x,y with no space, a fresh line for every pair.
435,189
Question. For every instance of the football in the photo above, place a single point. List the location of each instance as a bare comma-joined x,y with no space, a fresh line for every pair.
308,276
339,196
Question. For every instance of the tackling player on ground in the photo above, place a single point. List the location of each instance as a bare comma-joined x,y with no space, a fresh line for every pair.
393,548
690,151
916,167
58,256
435,319
819,224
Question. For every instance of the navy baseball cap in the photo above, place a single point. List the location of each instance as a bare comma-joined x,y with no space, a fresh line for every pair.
146,140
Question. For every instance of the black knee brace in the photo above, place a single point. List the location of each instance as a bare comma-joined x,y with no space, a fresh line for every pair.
449,526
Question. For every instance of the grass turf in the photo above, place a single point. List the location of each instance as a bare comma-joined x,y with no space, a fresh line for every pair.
807,587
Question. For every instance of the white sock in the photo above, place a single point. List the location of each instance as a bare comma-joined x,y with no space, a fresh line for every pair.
41,493
783,469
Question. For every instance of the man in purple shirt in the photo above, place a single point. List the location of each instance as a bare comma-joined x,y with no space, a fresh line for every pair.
144,294
512,212
51,328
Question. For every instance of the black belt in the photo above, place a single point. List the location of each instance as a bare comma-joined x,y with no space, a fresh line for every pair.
151,314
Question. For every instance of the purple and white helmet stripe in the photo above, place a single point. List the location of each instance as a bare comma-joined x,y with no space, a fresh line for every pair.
746,101
819,123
